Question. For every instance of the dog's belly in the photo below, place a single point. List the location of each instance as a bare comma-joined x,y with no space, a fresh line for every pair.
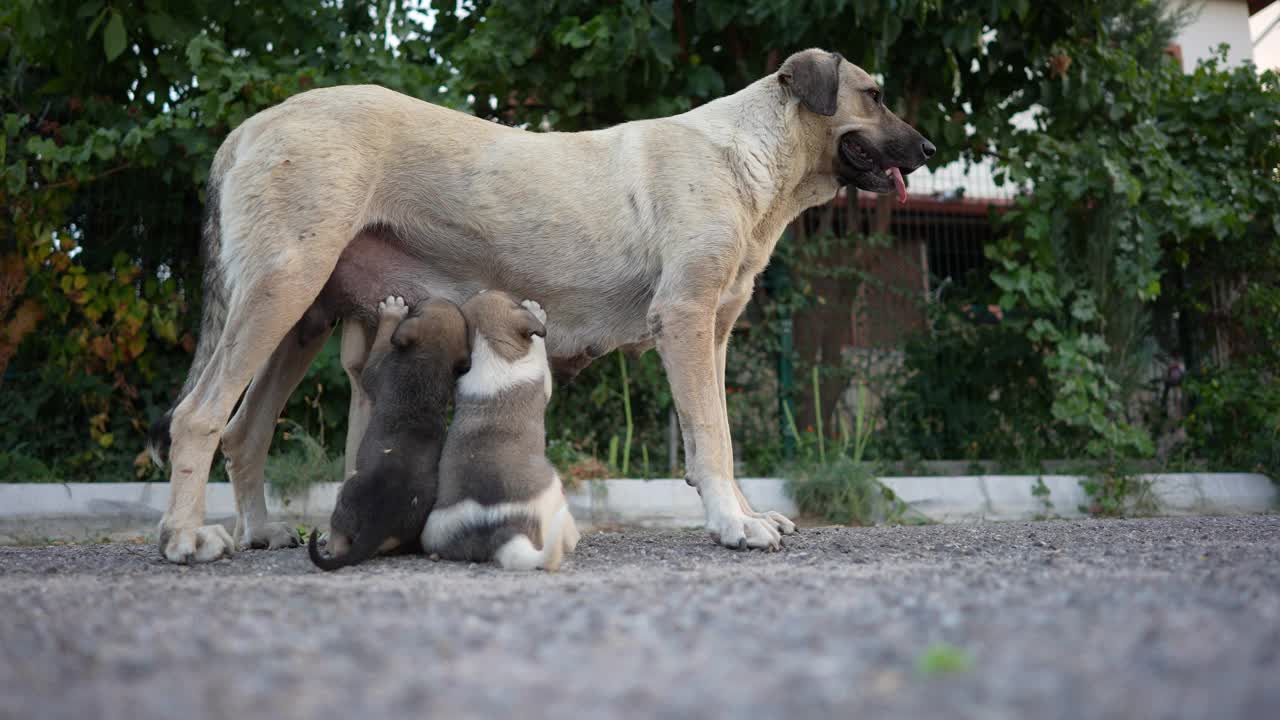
374,266
589,313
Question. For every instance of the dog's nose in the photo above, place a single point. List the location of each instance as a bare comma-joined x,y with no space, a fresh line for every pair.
928,149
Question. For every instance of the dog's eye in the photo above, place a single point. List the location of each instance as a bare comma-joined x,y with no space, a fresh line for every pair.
875,95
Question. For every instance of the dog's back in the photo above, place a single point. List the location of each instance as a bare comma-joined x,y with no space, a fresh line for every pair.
499,498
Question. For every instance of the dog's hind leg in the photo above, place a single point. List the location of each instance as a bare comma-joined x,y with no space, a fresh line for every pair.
726,315
356,343
247,439
281,286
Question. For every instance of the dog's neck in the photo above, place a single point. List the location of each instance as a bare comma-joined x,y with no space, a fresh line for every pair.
777,169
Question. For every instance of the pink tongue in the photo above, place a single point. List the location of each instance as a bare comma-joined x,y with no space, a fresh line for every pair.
902,185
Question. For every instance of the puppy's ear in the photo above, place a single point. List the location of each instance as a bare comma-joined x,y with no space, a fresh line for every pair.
408,333
529,325
462,366
814,78
462,361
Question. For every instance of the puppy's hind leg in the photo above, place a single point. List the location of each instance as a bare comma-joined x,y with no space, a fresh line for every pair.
247,439
570,536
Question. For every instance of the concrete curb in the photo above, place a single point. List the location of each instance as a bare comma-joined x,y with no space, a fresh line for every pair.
33,512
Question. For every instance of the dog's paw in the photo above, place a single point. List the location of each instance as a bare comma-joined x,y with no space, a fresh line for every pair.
196,545
742,532
777,520
393,307
271,536
533,307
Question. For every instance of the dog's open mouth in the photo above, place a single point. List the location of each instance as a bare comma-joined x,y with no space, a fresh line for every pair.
859,166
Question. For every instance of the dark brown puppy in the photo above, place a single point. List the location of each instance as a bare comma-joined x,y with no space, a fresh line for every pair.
413,365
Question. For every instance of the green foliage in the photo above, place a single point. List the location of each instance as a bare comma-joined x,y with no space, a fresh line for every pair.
1135,169
17,466
319,405
585,416
1040,491
943,659
1235,420
840,488
843,492
974,388
558,62
105,147
1116,492
1152,190
302,462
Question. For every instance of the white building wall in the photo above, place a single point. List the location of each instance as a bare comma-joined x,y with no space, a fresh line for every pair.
1218,21
1266,37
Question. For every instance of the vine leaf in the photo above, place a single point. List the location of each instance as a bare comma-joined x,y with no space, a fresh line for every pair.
114,37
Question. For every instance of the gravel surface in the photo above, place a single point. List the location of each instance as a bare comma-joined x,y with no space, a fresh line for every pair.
1098,619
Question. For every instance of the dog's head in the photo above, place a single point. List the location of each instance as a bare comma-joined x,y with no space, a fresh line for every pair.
508,325
436,327
868,146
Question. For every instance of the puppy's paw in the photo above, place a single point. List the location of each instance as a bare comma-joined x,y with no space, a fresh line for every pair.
196,545
533,307
393,307
271,536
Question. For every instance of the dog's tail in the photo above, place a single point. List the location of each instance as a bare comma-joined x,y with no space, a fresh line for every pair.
213,316
519,553
362,548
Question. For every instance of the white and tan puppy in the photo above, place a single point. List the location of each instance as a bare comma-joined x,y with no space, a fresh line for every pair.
499,498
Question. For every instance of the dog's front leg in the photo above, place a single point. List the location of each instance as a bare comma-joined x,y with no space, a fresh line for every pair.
726,315
354,353
686,340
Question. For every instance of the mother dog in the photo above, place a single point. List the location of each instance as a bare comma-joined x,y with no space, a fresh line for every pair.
650,232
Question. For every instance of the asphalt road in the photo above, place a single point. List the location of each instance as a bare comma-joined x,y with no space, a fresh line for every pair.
1098,619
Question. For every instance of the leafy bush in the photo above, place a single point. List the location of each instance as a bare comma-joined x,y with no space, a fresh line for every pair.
1118,215
1235,420
301,462
17,466
1117,492
319,405
105,146
837,485
842,491
589,416
973,389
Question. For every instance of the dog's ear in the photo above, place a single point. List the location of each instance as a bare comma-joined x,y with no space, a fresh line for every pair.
529,325
814,78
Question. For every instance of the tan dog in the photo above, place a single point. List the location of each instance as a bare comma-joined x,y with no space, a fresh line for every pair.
650,232
499,498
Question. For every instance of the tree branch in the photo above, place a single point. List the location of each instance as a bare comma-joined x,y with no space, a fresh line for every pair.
70,182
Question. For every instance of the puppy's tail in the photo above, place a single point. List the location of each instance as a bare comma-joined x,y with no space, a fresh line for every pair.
362,548
519,553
